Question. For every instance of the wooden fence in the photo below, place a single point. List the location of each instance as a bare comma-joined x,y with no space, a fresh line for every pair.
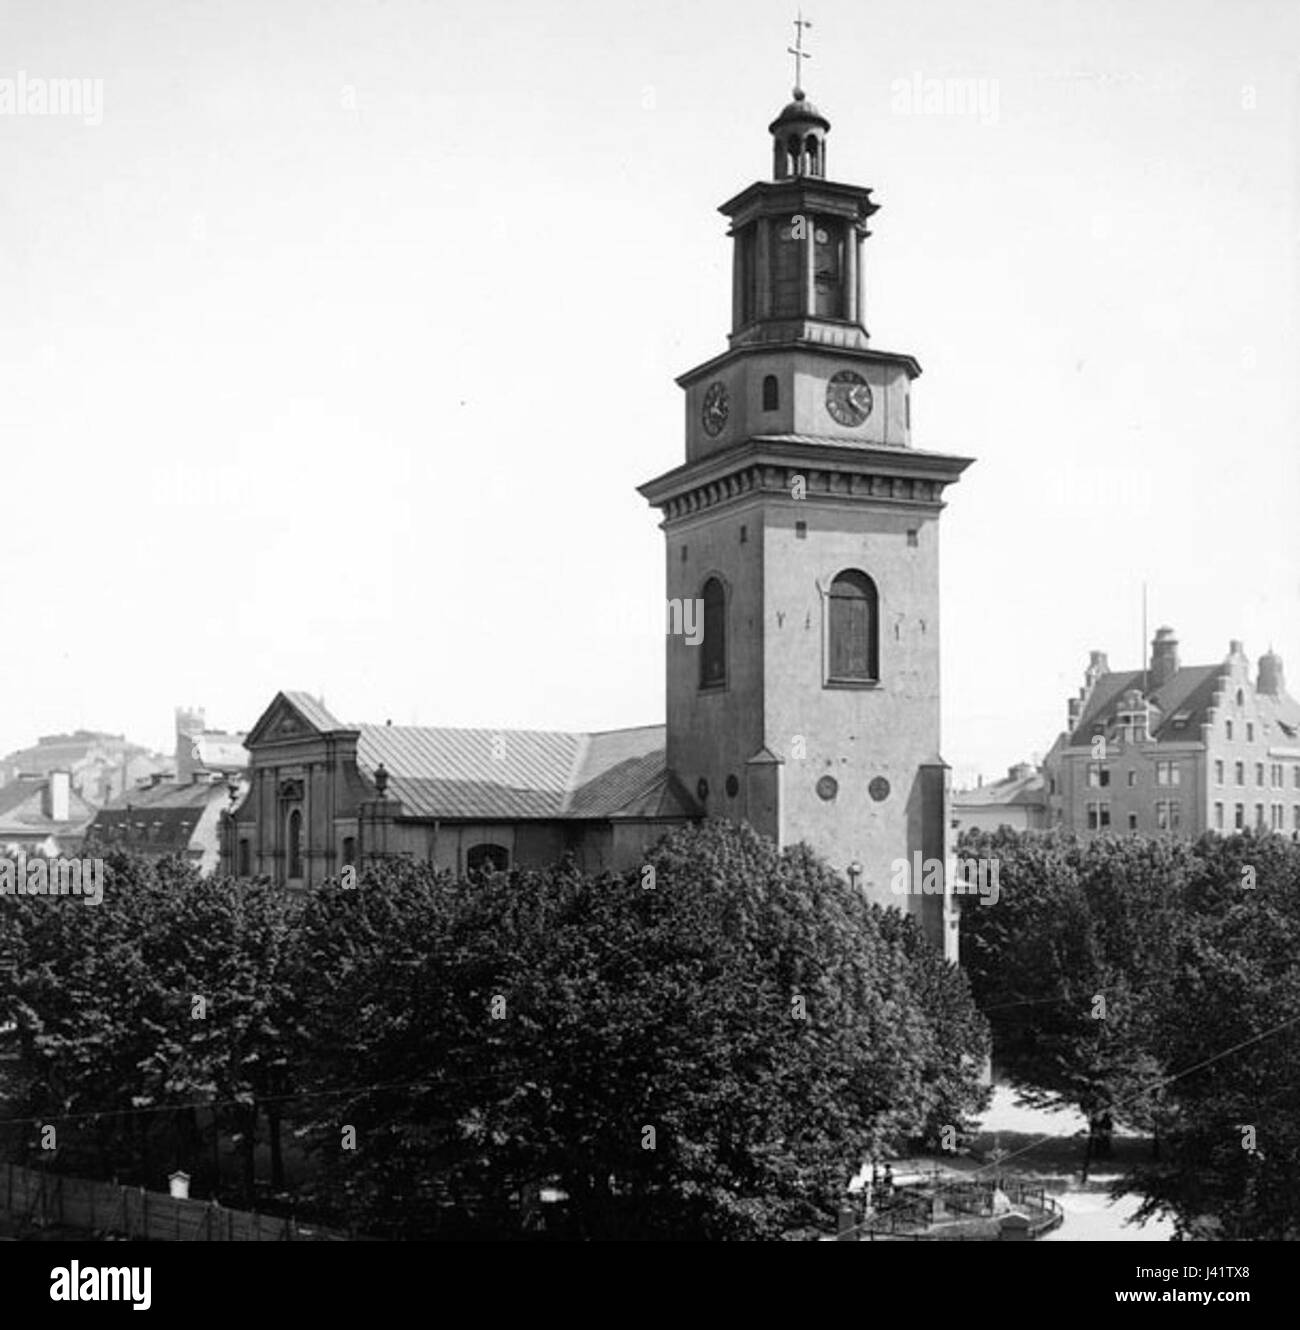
33,1196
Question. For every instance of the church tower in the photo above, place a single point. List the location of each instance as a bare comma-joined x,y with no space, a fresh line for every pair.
802,538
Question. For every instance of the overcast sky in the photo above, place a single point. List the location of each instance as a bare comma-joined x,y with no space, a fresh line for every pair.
332,355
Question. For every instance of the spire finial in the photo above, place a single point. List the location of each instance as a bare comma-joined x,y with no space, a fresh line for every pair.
800,55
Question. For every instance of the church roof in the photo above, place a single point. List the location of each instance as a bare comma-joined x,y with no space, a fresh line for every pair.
518,774
500,775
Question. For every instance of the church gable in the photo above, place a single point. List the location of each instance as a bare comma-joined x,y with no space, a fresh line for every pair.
292,716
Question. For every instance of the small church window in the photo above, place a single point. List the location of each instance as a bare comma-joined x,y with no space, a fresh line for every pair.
771,393
245,857
713,653
487,858
854,628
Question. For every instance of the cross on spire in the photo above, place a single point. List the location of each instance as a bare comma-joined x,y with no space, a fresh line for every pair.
800,55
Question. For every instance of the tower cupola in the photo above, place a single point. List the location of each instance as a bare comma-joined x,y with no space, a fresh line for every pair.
799,140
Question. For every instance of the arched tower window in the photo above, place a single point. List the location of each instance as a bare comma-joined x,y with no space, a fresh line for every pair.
295,844
713,646
771,393
487,858
853,630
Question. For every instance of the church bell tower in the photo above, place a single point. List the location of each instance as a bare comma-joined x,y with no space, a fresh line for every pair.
803,531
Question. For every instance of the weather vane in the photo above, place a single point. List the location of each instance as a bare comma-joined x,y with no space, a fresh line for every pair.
800,55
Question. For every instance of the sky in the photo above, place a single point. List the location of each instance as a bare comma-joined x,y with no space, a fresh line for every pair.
337,336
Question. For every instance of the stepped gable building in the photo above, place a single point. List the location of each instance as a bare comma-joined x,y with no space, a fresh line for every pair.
805,526
1179,749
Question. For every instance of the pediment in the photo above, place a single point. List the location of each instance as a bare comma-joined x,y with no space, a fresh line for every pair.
281,720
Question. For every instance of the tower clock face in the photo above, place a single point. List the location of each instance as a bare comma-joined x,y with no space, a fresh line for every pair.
713,415
848,398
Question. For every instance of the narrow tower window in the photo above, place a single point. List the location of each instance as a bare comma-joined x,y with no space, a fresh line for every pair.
771,393
713,648
853,629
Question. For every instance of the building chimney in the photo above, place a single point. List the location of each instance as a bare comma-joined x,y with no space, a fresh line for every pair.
1164,659
1271,681
1097,666
57,800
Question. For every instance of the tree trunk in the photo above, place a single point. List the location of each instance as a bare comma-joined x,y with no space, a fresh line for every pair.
277,1160
1100,1129
248,1147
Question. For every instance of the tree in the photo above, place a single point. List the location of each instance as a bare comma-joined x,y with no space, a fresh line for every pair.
712,1056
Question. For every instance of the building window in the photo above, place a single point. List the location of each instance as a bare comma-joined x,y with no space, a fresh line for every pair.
1295,772
801,530
1259,816
1098,776
487,858
1259,773
1218,817
744,534
1218,773
771,393
1132,779
245,868
1240,770
713,654
1168,773
853,646
1239,817
1229,725
912,537
1132,821
1168,815
295,844
1098,816
1241,698
349,851
1295,817
1250,732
